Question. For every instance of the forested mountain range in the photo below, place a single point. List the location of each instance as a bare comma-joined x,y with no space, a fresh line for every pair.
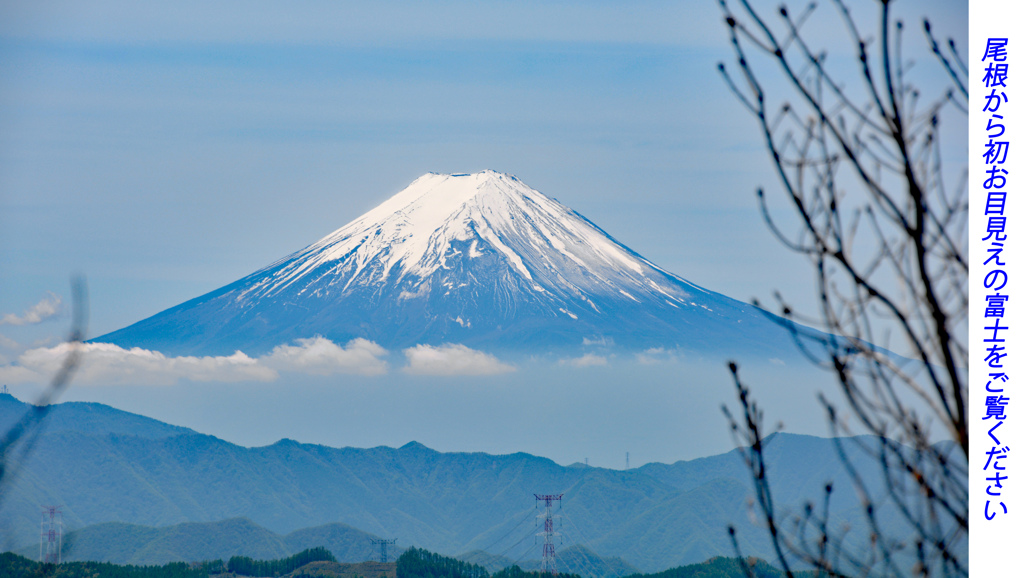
135,544
653,517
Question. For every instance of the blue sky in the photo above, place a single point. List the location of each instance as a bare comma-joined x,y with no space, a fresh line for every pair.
165,154
164,151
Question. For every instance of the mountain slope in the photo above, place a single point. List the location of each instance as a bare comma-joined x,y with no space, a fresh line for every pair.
652,517
91,418
122,543
480,259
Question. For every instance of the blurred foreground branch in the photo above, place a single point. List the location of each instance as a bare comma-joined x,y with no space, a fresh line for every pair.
17,442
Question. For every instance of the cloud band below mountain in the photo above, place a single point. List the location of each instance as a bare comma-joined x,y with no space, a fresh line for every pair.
109,364
452,359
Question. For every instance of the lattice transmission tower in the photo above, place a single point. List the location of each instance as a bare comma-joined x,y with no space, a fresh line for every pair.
51,535
383,544
547,558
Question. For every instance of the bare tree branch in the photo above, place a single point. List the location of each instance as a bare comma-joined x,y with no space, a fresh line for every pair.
887,242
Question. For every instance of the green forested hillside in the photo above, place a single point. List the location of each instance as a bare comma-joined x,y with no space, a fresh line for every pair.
15,566
307,564
419,563
246,566
653,517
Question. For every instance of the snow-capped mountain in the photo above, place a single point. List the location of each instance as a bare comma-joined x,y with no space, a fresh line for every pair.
478,259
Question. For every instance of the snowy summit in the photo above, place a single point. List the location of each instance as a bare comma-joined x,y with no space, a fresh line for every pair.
433,234
479,259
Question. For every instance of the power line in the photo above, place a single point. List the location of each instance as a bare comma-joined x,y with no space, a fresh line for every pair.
525,551
521,540
636,553
514,528
575,527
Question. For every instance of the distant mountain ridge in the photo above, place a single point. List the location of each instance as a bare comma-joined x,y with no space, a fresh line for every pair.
122,543
88,417
476,259
653,517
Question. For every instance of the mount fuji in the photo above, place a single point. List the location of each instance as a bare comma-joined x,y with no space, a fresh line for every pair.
477,259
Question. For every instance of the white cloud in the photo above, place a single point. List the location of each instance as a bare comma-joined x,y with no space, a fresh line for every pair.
321,356
9,349
586,360
452,359
49,306
8,343
17,374
105,363
658,355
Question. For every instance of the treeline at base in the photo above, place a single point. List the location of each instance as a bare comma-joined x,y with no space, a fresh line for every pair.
15,566
417,563
414,563
722,567
245,566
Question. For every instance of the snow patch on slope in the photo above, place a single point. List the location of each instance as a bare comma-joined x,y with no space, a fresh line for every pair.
419,231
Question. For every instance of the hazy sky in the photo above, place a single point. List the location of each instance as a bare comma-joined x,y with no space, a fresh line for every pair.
166,151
